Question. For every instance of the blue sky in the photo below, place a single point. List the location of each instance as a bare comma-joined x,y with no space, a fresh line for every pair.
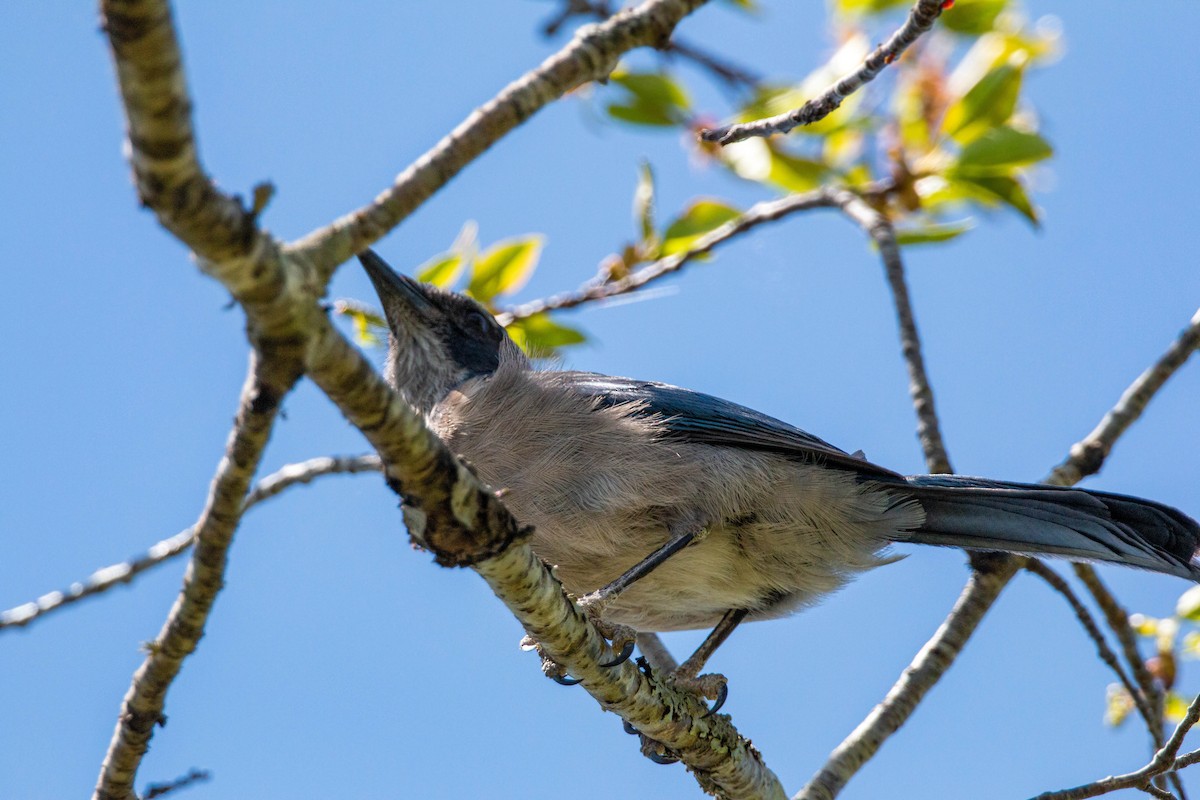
340,661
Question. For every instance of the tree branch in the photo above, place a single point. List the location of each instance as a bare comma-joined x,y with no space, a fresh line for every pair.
142,708
1164,761
1088,455
591,55
876,225
754,216
1105,652
163,150
451,513
106,578
920,19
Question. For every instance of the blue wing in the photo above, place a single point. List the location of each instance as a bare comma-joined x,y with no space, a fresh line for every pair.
704,419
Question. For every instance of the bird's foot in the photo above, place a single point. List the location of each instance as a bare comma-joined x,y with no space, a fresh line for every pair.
712,686
622,637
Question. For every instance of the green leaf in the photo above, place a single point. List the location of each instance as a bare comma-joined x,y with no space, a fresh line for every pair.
699,218
643,205
441,270
505,267
1188,605
988,103
541,336
1117,705
651,98
865,7
1007,190
935,232
366,320
972,17
999,150
1175,707
640,115
794,173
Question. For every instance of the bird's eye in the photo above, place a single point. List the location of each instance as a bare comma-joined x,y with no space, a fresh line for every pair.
478,323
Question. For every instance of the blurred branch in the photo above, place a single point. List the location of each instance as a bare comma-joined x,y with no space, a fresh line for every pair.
1118,620
591,55
754,216
876,225
160,789
124,572
1058,584
920,19
142,708
731,74
1088,455
1163,762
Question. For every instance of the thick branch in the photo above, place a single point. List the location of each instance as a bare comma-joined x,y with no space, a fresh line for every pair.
450,512
876,225
142,708
754,216
920,19
162,145
106,578
591,55
1088,456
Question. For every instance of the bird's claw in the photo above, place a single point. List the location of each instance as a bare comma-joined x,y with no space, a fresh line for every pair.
621,657
565,680
712,686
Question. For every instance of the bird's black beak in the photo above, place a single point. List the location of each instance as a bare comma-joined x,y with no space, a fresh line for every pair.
395,289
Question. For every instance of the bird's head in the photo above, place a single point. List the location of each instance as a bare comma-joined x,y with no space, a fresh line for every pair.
437,339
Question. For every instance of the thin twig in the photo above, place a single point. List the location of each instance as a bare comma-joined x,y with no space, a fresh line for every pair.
754,216
142,709
1105,652
734,75
1088,455
1164,761
160,789
116,574
1118,620
920,19
591,55
876,225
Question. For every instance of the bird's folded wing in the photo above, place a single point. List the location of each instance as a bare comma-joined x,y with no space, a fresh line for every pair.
704,419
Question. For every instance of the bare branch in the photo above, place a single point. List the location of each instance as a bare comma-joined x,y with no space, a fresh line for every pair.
732,74
1164,761
1105,652
876,225
1088,455
142,708
162,144
107,577
160,789
919,677
754,216
920,19
1118,620
591,55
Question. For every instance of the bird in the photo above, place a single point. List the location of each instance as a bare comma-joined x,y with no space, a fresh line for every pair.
669,509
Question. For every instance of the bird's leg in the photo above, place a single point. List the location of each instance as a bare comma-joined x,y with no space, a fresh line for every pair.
594,604
713,685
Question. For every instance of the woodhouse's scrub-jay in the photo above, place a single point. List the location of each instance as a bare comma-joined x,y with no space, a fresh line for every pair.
758,518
